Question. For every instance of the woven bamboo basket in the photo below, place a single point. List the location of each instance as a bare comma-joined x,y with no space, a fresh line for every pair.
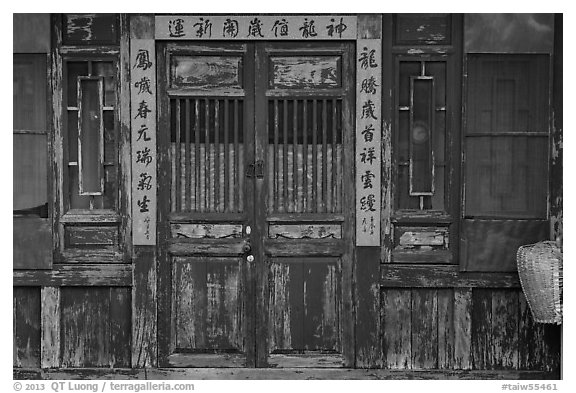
540,272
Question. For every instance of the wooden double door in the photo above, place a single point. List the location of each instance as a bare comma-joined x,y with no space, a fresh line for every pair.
256,204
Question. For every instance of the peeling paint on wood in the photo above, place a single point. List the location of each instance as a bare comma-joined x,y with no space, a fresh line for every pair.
144,323
505,329
91,28
206,231
207,304
446,331
423,29
424,328
77,236
463,329
482,329
303,231
294,373
51,344
26,334
413,237
76,275
397,328
303,72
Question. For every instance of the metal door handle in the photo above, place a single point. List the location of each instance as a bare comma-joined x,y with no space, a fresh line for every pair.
247,247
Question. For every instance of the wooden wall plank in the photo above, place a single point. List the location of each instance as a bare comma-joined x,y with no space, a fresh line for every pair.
368,342
424,328
120,327
505,329
445,328
279,333
443,277
26,334
539,344
482,329
109,275
397,328
463,328
144,322
51,339
85,330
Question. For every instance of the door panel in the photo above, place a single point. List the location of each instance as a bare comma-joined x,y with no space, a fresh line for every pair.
256,221
208,204
303,137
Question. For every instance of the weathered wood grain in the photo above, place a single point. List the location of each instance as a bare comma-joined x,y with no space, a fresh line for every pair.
312,247
423,29
144,301
222,247
77,236
446,331
463,328
443,277
27,327
120,327
206,231
505,314
305,231
482,344
91,28
224,360
85,328
51,336
177,373
321,305
283,277
411,237
368,319
397,328
306,360
302,72
424,328
112,275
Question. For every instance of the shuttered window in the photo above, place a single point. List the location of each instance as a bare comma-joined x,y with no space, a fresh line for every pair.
506,158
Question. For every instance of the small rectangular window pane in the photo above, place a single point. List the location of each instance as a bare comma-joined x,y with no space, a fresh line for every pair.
91,137
421,160
107,70
74,69
30,171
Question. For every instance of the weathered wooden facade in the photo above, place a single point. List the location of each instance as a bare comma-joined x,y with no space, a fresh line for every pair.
325,191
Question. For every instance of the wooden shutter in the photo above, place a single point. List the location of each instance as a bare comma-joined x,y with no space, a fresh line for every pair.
506,159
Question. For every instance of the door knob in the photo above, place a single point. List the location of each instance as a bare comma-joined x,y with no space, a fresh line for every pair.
247,247
250,258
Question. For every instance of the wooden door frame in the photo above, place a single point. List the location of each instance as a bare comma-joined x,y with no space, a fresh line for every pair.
363,300
262,53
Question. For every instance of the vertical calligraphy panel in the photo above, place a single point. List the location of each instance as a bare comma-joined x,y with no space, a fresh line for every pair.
143,129
368,139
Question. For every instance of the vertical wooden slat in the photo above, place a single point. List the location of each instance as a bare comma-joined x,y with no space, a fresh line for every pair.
236,152
295,155
424,329
463,328
324,157
50,326
178,199
27,327
505,329
216,176
207,176
482,329
397,328
445,328
226,157
334,190
276,181
119,327
197,185
285,155
305,199
314,155
187,181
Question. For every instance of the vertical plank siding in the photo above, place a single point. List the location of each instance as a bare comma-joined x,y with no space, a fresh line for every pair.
463,329
26,314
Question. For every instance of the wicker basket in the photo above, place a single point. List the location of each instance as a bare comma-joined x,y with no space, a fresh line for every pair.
540,271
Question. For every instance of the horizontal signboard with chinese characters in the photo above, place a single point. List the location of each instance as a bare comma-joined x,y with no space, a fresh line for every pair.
265,27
